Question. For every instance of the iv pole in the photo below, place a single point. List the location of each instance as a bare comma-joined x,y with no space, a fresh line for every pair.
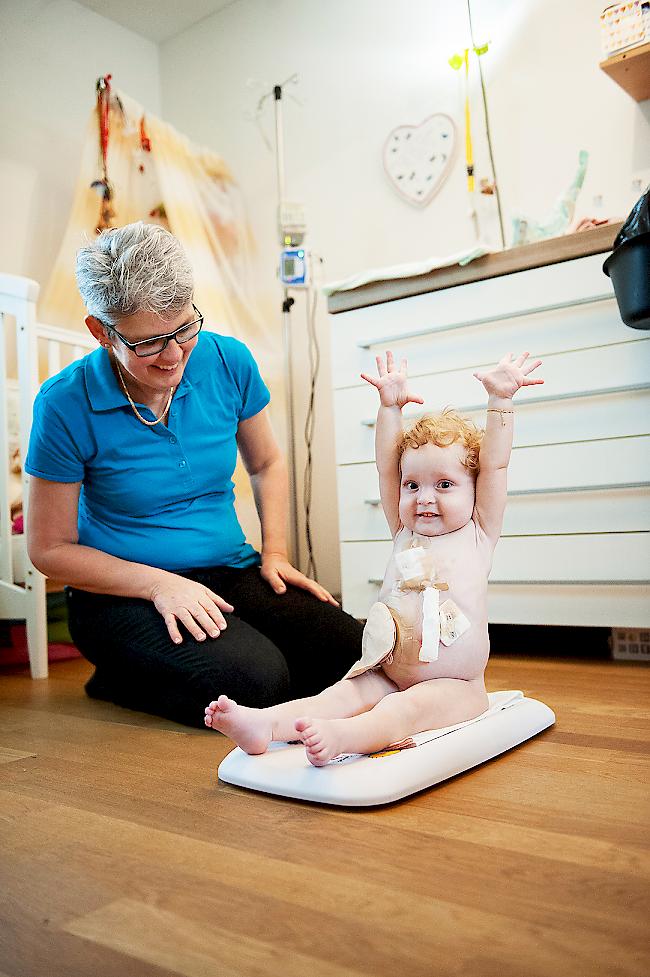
287,302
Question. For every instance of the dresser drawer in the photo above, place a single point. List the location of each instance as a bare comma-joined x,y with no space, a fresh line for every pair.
585,465
361,516
565,374
542,334
474,323
569,604
535,580
362,569
608,558
612,415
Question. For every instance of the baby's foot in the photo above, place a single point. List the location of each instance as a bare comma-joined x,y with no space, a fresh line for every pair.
322,739
249,728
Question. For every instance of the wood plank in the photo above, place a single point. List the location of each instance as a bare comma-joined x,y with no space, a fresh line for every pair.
10,756
166,939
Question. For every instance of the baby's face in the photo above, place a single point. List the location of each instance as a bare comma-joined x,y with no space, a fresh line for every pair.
437,492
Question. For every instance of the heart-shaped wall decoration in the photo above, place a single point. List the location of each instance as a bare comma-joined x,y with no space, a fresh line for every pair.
417,159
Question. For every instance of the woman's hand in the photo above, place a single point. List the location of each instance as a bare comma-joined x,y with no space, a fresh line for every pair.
278,572
392,383
508,376
197,607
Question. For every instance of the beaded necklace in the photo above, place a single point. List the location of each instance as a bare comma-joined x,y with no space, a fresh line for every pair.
134,408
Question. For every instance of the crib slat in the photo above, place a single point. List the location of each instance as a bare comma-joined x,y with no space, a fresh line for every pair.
53,357
5,520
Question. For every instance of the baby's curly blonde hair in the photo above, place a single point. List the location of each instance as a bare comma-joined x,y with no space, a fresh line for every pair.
445,429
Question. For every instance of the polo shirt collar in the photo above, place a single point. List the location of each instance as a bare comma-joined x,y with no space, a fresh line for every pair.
105,393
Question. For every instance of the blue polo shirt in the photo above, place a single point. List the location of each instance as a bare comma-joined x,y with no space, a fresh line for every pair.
162,496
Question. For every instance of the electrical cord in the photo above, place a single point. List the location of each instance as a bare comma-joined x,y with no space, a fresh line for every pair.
310,423
487,129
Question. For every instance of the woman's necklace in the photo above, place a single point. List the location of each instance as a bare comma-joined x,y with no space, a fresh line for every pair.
134,408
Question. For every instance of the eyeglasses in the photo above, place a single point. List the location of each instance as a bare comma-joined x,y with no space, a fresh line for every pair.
155,345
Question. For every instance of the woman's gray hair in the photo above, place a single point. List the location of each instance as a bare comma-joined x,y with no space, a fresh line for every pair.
136,268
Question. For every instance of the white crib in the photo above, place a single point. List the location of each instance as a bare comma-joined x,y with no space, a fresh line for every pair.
41,351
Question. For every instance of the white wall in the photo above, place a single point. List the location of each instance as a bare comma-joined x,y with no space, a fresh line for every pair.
364,68
51,54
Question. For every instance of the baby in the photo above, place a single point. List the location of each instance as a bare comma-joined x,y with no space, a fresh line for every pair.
425,645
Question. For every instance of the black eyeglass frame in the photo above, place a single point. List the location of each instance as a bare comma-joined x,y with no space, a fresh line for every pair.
167,337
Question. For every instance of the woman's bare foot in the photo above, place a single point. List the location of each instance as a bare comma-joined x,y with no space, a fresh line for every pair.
249,728
322,739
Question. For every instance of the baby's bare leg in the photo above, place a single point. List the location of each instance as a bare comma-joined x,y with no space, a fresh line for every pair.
434,704
253,729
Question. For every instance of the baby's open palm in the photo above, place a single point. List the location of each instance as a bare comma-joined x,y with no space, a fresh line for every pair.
509,375
392,383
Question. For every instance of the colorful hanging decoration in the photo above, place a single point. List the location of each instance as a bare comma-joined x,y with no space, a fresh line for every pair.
486,187
159,212
145,144
103,186
457,61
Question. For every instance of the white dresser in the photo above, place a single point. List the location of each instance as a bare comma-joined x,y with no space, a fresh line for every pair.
575,548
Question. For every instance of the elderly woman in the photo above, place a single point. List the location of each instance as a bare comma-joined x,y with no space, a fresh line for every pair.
132,505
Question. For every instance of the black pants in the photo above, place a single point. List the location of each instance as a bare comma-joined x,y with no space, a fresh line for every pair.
276,647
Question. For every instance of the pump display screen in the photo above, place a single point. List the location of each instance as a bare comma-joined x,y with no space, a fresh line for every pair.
294,267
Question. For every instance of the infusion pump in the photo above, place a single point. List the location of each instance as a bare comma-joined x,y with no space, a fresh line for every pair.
294,267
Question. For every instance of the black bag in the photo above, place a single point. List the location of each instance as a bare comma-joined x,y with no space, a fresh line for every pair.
628,266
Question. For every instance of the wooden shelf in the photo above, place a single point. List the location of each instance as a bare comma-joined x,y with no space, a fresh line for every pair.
551,251
631,70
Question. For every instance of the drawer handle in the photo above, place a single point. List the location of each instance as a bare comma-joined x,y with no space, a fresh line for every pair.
569,583
558,490
377,582
561,489
395,337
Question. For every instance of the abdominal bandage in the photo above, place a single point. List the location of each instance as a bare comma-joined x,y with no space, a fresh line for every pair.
440,622
391,632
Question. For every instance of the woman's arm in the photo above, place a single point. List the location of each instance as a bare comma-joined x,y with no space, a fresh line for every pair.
268,474
53,547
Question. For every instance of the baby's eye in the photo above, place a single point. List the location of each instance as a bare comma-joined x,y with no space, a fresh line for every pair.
412,486
444,483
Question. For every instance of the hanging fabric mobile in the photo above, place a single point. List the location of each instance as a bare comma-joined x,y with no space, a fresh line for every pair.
103,186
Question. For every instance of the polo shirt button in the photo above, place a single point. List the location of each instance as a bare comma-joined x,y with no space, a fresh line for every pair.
172,440
181,464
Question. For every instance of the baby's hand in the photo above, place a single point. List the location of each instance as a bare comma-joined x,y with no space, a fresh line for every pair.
508,376
391,383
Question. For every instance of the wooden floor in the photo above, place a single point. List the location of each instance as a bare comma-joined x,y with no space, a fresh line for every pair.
122,856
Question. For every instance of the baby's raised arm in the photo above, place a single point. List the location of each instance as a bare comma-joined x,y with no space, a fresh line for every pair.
501,383
391,385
